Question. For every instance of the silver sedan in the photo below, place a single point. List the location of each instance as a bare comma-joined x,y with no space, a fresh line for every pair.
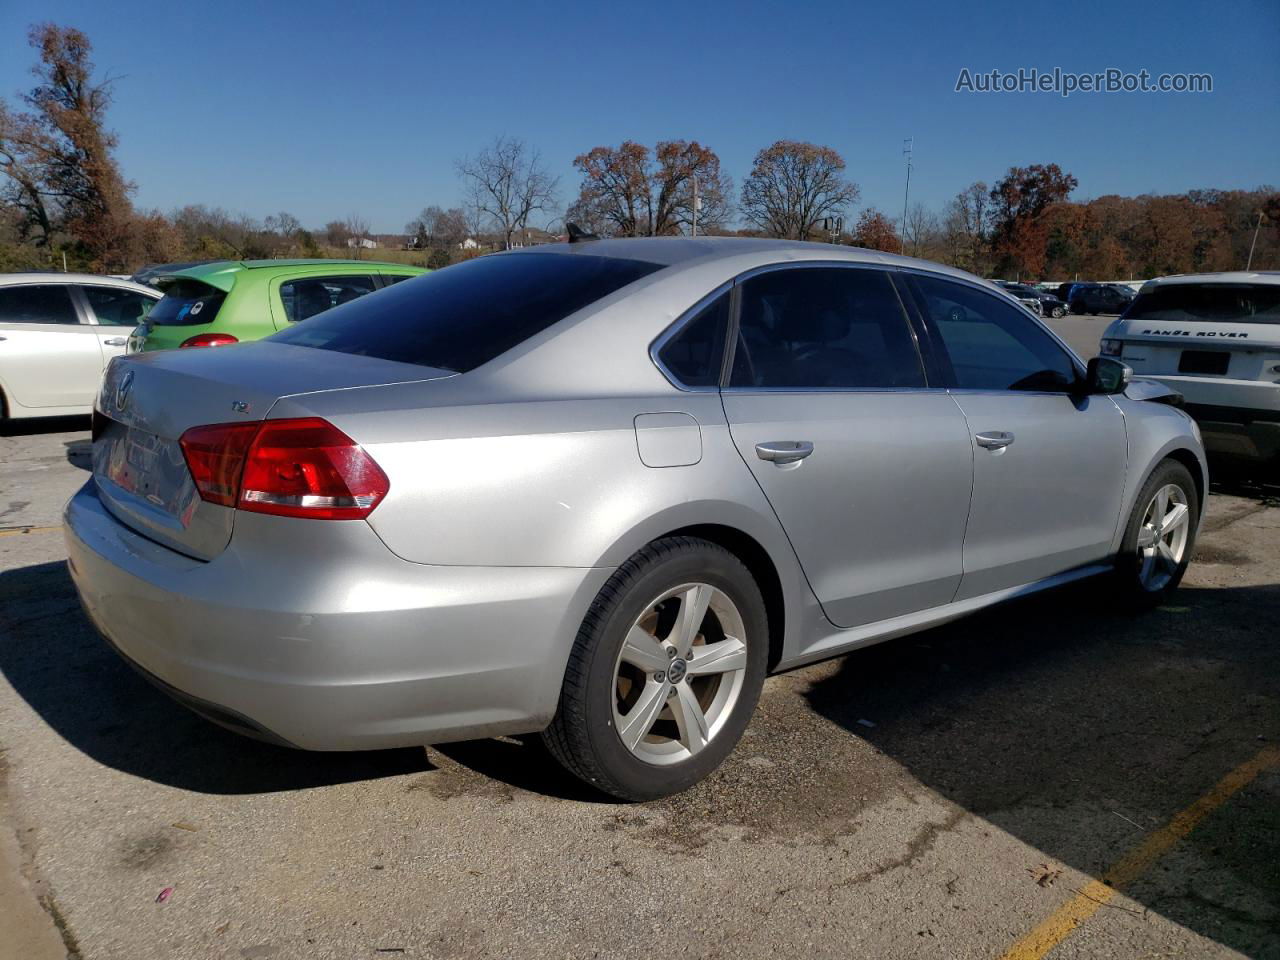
601,489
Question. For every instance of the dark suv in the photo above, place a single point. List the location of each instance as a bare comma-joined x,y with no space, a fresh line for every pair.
1095,298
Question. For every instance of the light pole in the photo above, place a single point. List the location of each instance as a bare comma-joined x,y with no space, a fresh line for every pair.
1256,228
907,146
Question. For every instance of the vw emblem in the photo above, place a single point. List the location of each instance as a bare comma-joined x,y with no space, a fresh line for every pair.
123,388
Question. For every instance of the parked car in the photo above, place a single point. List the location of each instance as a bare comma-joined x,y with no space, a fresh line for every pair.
221,302
1096,298
599,490
1215,338
57,333
1047,305
1028,300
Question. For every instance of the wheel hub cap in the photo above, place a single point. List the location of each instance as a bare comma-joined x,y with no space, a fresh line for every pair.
677,670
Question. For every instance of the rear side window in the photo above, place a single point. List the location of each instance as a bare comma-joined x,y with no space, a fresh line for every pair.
693,356
816,328
465,315
992,345
1209,303
305,298
116,307
45,303
187,303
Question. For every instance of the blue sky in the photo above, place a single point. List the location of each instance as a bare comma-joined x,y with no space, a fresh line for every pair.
327,108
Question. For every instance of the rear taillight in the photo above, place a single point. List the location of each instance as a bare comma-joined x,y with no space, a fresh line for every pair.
291,468
208,340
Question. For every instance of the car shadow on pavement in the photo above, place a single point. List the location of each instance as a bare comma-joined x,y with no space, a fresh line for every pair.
79,453
54,659
1079,731
30,427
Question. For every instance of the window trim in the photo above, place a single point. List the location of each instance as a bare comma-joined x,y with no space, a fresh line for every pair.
945,367
682,321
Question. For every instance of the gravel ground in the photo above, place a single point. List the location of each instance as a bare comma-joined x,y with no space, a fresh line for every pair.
937,796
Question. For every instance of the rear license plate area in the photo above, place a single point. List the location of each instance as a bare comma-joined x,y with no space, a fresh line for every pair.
1204,361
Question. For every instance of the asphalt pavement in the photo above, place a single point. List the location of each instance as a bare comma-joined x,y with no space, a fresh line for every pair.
958,793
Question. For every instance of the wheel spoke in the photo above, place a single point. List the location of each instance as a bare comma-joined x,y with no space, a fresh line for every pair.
690,719
1175,518
1146,537
1166,555
1148,566
639,720
721,657
642,650
693,607
1161,506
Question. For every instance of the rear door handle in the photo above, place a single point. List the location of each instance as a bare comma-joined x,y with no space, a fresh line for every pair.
115,342
784,451
994,439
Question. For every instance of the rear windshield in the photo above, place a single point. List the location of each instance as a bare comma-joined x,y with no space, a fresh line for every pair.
1209,303
187,303
465,315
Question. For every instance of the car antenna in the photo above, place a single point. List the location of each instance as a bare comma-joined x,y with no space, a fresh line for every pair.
577,234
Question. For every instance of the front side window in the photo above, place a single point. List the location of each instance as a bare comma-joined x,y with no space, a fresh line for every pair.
468,314
43,303
118,308
824,328
991,344
306,298
693,356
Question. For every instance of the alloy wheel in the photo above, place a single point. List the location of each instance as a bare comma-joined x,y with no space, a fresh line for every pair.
679,673
1162,538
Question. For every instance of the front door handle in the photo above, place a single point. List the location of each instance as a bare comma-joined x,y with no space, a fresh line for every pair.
994,439
784,451
115,342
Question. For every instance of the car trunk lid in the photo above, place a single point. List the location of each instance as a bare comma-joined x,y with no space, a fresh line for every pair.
148,401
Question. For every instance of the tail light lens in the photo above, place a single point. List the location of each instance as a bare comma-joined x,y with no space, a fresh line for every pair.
291,468
208,340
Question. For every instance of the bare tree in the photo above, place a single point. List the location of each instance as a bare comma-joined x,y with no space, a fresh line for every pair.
921,230
965,228
792,186
357,228
507,182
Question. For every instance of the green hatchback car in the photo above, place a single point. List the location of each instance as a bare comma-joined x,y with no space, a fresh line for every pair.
226,301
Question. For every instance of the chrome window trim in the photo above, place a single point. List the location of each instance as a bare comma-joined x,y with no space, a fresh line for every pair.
677,325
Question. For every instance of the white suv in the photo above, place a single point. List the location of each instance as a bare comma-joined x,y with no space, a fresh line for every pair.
58,331
1215,338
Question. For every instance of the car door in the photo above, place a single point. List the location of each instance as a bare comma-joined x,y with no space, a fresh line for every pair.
115,312
1049,462
865,464
49,354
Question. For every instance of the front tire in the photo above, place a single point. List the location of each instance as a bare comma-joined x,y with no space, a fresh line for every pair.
665,672
1058,313
1160,537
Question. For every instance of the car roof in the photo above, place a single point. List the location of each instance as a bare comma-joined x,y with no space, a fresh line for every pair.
1231,276
92,279
221,273
678,251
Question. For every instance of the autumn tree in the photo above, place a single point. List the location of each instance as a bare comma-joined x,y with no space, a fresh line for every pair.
875,231
1018,201
507,182
630,191
435,226
794,185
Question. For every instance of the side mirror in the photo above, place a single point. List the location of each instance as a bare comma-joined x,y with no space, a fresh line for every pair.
1107,375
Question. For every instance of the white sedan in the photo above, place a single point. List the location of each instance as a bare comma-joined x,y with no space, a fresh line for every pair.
58,331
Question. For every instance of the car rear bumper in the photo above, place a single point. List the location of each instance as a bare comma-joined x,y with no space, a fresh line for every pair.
343,648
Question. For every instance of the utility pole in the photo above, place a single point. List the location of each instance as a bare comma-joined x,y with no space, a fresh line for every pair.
696,204
907,147
1257,227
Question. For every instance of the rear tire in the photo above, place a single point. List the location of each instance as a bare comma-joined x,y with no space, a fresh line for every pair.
1159,538
649,706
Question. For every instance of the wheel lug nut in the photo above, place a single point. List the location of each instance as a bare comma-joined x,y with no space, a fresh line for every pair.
659,676
671,653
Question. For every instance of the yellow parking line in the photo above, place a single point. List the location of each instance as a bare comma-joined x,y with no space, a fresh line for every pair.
1133,864
23,531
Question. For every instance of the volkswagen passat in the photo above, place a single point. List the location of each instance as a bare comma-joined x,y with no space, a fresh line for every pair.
599,490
